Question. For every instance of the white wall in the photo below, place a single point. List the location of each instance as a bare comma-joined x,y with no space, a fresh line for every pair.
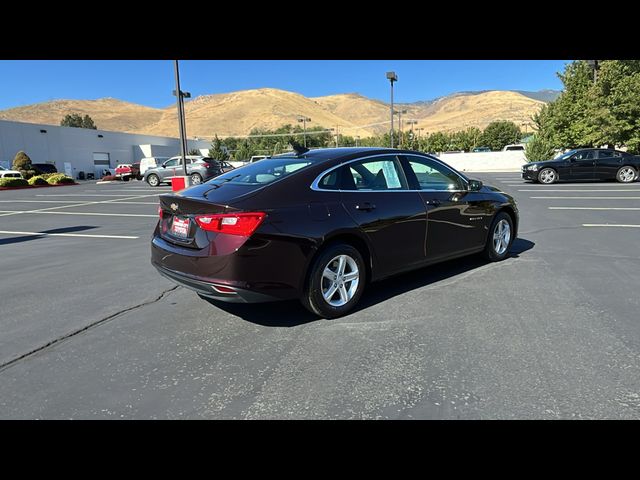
77,145
485,161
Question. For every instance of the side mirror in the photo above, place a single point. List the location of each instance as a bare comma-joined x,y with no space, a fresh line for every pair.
475,185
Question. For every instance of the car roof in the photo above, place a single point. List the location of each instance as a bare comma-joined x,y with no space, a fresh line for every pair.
321,154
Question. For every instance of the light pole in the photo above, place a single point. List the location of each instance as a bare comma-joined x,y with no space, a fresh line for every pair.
337,134
399,113
304,121
392,77
412,123
181,121
357,138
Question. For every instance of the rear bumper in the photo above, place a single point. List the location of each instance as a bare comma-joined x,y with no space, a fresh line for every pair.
209,288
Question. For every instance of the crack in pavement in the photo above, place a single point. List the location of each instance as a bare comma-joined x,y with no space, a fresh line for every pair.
12,362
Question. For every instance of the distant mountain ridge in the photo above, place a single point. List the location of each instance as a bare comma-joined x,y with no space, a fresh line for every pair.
237,113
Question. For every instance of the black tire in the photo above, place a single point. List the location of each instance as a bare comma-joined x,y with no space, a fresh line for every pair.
626,174
153,180
490,252
196,179
125,179
313,298
547,176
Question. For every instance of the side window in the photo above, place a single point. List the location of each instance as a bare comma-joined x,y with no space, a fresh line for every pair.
329,181
586,155
378,173
431,175
607,154
172,163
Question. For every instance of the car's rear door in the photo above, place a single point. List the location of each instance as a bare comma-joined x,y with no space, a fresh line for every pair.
607,164
374,192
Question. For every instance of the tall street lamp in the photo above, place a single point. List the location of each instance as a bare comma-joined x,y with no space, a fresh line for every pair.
357,138
304,120
337,134
181,121
412,123
392,77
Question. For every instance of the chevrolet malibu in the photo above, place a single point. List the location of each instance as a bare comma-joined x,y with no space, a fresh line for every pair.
320,225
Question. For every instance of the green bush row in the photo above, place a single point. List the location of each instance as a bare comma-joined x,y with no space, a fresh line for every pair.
55,178
13,182
38,180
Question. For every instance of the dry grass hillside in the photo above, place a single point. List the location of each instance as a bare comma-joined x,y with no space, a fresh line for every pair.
107,113
237,113
460,112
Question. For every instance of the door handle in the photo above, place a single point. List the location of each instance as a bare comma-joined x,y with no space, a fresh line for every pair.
366,206
434,202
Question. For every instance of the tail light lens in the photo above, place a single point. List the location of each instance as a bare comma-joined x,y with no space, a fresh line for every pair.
206,165
243,224
160,211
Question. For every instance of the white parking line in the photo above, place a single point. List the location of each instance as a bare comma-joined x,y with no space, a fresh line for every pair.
609,225
82,213
76,205
588,198
118,201
98,195
583,190
7,232
593,208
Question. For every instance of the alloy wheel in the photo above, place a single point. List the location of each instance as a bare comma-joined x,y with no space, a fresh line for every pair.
340,279
501,237
548,176
626,175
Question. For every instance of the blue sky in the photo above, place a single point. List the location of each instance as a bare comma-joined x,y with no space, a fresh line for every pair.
150,82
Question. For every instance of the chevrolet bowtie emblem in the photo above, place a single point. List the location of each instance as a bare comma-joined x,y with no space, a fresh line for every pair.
174,206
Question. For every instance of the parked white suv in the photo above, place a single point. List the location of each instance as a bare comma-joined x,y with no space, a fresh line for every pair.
4,173
516,147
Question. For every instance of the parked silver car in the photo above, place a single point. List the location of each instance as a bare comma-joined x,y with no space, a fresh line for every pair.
199,168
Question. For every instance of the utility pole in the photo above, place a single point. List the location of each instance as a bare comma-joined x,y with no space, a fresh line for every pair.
337,134
181,121
392,77
304,121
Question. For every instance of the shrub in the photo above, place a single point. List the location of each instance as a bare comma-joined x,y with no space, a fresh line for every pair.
27,174
539,149
13,182
58,178
21,161
37,180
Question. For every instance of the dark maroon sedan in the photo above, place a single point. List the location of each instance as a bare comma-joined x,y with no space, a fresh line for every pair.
319,225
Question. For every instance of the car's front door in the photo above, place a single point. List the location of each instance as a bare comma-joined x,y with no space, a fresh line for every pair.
583,165
376,195
457,219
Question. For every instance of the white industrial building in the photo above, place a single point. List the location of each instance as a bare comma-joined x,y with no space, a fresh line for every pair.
75,150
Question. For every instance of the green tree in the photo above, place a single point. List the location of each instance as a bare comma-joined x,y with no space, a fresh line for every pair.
87,122
539,149
436,142
194,151
245,151
77,121
218,151
500,133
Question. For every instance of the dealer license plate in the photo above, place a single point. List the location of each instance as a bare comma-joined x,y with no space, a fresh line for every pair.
180,227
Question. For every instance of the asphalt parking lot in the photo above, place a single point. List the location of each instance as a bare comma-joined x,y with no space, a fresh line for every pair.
88,329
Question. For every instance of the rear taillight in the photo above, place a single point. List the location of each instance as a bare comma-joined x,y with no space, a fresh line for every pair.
243,224
160,211
206,165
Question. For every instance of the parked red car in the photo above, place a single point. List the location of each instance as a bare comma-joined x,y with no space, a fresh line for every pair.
127,171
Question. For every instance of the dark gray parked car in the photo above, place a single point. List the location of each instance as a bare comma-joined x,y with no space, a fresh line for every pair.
200,169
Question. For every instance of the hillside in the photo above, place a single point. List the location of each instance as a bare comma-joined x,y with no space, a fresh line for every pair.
107,113
237,113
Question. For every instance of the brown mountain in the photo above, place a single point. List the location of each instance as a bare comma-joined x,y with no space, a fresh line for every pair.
237,113
107,113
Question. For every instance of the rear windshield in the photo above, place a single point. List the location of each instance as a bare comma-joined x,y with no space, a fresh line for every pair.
262,172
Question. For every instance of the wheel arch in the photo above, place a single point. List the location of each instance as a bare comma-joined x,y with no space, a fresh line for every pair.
509,210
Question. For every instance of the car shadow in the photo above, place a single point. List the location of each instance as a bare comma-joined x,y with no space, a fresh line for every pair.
291,313
26,238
